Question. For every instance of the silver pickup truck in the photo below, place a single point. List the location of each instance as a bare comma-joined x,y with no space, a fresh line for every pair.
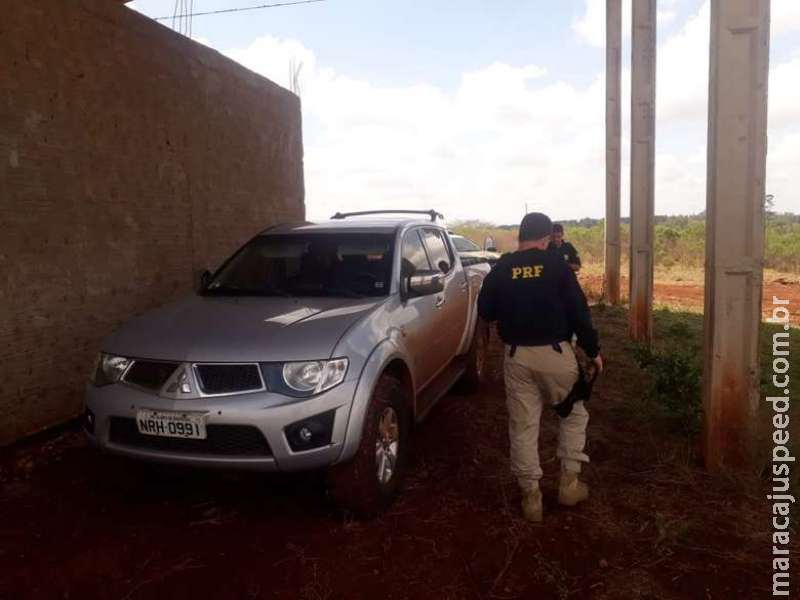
316,345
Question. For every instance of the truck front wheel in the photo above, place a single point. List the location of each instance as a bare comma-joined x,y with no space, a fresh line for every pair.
476,359
368,483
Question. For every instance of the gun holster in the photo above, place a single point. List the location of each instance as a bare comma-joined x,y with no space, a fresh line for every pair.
581,391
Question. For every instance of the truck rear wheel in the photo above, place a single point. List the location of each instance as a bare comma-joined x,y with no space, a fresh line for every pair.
367,484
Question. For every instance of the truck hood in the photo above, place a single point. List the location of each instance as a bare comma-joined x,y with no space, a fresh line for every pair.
239,329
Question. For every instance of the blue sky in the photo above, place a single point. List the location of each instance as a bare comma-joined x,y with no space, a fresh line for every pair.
478,107
400,43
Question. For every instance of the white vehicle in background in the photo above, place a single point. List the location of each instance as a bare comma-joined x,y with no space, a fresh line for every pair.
471,253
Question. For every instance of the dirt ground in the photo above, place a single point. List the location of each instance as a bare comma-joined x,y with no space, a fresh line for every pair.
689,294
74,524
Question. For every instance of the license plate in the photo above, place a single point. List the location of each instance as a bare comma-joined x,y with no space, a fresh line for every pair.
171,424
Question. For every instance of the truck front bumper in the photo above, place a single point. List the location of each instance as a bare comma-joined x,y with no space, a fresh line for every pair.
235,427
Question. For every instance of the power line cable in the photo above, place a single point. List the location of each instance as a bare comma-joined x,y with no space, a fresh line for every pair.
240,9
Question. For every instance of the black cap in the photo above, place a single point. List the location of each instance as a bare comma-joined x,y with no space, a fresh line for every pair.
534,227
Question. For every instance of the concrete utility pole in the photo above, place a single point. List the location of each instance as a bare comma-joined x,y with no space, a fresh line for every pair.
613,143
643,137
737,147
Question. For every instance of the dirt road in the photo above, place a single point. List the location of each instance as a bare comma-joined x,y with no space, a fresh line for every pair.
689,294
77,525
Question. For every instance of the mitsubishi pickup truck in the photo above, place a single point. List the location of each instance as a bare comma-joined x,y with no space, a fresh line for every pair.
315,346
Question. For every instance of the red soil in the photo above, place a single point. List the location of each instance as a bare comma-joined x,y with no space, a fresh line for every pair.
75,524
690,295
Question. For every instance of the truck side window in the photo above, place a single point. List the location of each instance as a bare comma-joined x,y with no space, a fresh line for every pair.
438,250
414,257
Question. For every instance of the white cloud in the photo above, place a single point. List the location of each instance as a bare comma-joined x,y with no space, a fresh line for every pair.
784,95
682,85
785,16
682,110
272,57
590,27
503,138
783,166
508,135
203,40
665,17
682,70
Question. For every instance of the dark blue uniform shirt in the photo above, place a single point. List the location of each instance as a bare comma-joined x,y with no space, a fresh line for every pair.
536,299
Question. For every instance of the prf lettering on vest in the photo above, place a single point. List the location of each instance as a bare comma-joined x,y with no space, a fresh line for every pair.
527,272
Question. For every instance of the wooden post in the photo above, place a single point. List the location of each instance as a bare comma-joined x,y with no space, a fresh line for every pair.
613,143
643,134
737,135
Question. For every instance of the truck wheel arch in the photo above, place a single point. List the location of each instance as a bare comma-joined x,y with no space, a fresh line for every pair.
398,369
386,358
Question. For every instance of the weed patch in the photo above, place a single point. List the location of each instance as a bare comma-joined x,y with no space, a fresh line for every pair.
674,386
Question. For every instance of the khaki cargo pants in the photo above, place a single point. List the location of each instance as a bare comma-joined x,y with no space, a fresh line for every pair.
537,376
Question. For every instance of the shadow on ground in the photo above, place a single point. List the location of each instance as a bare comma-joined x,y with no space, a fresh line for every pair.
74,524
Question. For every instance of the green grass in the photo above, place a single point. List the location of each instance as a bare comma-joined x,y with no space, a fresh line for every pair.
683,330
676,365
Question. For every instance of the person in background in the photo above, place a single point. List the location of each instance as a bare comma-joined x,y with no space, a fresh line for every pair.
567,250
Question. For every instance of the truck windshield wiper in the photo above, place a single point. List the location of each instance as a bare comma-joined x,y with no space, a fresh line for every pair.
229,290
343,292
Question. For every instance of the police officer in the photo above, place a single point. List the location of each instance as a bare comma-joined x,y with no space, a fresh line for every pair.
564,248
538,304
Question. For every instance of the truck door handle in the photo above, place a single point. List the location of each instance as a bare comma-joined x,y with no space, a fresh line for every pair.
440,301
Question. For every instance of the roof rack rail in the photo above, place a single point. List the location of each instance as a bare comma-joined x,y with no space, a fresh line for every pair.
276,225
431,213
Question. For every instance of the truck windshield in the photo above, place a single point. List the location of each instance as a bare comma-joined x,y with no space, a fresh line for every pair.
352,265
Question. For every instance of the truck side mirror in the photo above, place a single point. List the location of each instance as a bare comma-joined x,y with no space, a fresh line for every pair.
425,283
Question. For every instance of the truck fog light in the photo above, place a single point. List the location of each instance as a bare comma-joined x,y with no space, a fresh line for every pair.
313,432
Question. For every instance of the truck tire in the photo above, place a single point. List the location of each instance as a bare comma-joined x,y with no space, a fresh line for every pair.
476,359
369,482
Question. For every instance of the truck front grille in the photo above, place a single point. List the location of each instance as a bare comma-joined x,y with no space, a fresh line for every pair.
222,440
228,379
151,375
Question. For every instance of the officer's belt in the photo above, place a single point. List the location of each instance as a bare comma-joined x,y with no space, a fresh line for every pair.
513,350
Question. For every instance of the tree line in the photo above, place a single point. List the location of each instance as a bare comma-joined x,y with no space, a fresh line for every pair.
679,240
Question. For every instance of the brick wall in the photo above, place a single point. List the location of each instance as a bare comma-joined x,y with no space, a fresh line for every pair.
131,159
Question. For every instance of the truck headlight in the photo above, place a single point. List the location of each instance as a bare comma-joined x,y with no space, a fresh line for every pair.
109,369
313,377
